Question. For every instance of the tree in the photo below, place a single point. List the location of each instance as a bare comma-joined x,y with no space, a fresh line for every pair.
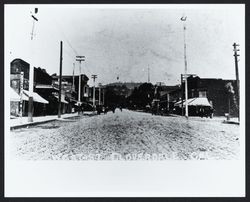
115,96
232,106
142,96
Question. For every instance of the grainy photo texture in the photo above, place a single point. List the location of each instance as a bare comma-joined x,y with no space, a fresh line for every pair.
133,84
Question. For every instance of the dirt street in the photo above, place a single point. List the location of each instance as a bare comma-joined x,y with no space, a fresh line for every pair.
127,135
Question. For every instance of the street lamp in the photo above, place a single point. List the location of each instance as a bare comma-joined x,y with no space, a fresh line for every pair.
183,19
31,72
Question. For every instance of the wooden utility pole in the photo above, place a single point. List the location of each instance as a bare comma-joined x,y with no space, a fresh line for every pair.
79,59
237,73
184,77
168,102
100,89
103,94
31,70
182,109
236,63
94,77
60,80
73,85
21,93
185,62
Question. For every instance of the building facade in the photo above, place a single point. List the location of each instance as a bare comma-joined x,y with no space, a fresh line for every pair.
69,90
216,91
18,108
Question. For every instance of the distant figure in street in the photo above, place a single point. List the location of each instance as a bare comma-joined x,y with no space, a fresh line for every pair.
82,108
206,112
98,109
106,109
113,109
154,110
201,112
121,108
211,114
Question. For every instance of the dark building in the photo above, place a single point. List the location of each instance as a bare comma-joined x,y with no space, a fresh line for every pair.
215,91
168,95
16,67
40,76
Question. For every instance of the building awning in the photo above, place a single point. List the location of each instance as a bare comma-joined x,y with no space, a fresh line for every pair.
180,103
44,86
36,97
198,101
14,95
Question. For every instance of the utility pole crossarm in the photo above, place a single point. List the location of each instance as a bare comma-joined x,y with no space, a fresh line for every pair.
80,58
94,77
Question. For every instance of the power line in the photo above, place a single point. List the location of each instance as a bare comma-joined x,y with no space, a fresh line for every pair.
66,38
86,67
71,55
74,52
71,46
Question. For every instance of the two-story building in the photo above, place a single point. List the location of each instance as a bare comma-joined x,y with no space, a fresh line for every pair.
19,82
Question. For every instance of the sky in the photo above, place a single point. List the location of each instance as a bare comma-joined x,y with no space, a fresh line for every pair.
125,40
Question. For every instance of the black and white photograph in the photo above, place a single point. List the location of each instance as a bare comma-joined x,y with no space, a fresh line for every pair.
125,85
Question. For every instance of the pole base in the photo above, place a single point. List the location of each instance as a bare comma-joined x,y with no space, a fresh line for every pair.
30,110
30,119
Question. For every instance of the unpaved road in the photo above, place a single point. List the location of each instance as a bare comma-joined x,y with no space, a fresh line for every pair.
127,135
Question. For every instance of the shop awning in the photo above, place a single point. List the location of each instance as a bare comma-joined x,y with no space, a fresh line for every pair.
49,87
198,101
14,95
36,97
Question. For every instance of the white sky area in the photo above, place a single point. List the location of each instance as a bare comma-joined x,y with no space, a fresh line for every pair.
125,40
